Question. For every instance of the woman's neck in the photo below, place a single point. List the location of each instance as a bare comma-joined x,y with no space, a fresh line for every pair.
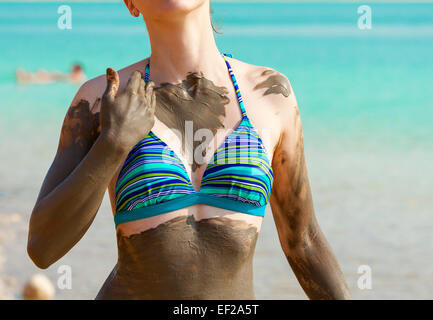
182,45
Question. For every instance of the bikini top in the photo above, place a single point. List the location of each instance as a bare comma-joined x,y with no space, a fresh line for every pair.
153,180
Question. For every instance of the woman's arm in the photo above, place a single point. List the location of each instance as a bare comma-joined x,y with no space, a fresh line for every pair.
303,243
84,165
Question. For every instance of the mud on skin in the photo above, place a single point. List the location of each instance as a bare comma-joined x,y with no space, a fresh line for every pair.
275,84
196,99
185,259
81,127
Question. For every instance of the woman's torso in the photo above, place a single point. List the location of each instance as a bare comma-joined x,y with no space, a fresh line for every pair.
198,252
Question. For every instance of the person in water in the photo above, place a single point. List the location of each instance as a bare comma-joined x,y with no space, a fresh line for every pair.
76,76
192,145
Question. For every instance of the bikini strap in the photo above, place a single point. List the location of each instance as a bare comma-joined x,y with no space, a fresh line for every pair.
232,75
146,71
235,84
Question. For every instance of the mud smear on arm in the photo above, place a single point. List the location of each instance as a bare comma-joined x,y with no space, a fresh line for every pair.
81,127
79,132
185,259
302,240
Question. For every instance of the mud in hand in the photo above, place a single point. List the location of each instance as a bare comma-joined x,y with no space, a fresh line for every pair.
127,117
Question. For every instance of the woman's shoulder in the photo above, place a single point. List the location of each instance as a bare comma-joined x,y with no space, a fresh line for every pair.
93,89
269,100
265,88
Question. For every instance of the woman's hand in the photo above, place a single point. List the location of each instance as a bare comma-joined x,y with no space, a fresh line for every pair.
127,117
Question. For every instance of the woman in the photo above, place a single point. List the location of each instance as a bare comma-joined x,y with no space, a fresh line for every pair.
189,167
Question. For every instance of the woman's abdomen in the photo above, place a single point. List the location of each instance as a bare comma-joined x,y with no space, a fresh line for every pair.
185,259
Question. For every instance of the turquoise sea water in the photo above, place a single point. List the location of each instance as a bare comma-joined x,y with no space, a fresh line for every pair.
374,80
365,98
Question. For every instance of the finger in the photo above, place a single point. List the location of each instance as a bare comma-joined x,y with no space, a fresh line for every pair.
150,94
149,89
134,82
141,88
153,101
150,85
112,84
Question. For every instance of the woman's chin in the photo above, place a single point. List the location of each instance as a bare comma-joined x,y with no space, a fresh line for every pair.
181,6
160,9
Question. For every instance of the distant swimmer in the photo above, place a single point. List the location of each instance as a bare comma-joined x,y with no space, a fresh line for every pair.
76,76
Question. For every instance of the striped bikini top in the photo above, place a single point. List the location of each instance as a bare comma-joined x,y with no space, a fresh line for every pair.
153,179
